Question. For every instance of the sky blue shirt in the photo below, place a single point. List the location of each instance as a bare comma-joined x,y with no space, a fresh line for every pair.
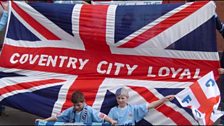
3,20
128,115
87,115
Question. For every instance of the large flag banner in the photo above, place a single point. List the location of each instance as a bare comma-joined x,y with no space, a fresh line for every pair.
203,97
51,50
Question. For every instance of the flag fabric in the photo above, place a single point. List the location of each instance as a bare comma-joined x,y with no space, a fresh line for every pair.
203,97
51,50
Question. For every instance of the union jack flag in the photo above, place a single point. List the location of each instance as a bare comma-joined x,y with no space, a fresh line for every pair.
50,50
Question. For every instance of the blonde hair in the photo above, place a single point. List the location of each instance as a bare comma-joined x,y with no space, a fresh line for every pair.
122,91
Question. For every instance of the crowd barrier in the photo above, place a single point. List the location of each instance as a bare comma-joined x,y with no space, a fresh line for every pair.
126,2
50,123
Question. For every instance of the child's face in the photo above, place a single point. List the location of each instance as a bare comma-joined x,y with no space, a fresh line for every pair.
122,100
78,106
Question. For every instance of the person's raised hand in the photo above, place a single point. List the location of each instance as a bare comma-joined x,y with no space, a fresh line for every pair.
221,70
37,120
113,123
169,98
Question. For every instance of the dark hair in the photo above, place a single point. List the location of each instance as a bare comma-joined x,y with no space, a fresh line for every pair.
77,97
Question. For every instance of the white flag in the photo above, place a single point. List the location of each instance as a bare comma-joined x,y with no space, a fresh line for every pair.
203,97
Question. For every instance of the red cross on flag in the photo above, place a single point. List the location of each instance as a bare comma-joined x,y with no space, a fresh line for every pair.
203,97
